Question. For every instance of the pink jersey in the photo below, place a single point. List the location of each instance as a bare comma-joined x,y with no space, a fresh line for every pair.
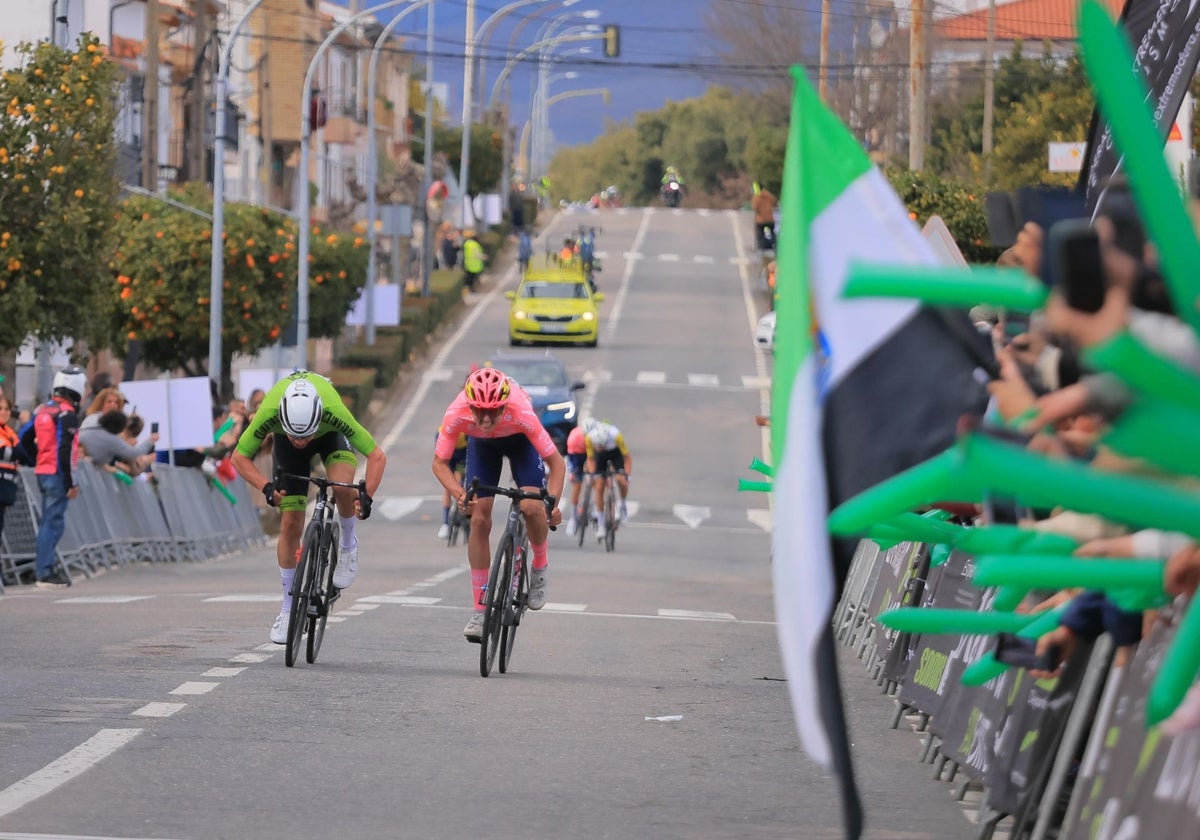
518,418
576,444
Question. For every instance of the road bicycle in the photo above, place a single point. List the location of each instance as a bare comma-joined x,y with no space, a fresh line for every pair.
611,512
459,522
506,594
585,505
313,592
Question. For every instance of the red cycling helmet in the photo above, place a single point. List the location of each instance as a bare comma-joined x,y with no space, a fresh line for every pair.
486,388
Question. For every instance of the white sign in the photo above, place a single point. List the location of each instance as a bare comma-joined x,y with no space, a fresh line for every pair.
1067,157
938,236
181,407
387,307
249,379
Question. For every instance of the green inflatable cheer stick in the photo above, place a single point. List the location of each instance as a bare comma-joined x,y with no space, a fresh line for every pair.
963,622
760,467
987,667
755,486
1122,98
1145,370
123,477
1012,539
223,490
941,477
1011,288
939,554
923,528
1178,669
1052,572
1161,432
1138,600
1008,598
1041,482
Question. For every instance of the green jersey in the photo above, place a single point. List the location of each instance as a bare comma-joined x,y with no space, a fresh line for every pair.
335,417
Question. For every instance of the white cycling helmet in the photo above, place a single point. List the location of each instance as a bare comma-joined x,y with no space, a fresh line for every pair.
599,432
70,382
300,409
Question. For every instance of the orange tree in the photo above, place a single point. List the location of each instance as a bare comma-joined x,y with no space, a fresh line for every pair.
161,280
57,190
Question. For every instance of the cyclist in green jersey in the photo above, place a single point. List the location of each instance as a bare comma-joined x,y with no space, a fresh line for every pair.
308,419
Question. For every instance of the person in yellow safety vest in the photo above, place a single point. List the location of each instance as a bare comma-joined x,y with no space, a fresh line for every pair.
473,259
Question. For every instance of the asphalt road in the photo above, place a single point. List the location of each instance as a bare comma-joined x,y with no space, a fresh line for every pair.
645,700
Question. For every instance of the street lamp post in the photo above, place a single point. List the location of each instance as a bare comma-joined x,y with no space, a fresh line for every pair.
544,62
217,286
373,161
523,149
305,211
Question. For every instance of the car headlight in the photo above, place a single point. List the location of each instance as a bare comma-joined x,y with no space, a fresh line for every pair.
589,316
520,314
568,407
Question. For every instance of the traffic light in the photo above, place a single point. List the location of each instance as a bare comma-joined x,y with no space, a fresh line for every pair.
612,41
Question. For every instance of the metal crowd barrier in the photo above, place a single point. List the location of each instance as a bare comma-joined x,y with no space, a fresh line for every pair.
176,515
1039,758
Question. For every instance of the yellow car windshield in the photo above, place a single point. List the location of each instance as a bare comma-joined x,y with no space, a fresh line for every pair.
544,291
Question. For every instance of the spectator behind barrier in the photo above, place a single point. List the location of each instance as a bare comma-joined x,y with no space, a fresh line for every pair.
104,445
9,480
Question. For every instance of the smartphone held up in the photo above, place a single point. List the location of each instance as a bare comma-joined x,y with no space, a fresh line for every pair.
1072,264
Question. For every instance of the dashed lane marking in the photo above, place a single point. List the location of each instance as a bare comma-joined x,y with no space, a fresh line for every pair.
255,598
692,515
704,380
60,771
575,608
756,382
651,377
703,259
697,614
222,672
104,599
195,688
158,710
762,518
668,258
252,658
409,600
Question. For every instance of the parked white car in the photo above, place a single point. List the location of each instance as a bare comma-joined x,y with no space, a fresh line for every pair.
764,336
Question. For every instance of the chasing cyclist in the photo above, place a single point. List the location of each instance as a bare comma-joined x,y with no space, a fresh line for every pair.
499,421
576,456
308,420
458,462
606,445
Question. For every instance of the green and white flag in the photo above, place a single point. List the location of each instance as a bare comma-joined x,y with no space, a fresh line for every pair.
863,389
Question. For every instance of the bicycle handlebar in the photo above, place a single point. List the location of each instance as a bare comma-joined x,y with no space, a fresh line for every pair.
322,483
514,493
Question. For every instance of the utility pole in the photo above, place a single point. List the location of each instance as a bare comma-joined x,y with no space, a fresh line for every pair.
464,169
917,87
823,73
197,152
150,101
989,87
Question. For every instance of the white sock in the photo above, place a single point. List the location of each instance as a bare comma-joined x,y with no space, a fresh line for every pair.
348,539
287,576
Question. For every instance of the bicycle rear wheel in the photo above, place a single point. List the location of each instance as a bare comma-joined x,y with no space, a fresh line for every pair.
585,502
514,606
322,591
610,516
497,592
302,588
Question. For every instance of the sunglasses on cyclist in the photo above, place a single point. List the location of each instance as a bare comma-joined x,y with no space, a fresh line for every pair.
487,413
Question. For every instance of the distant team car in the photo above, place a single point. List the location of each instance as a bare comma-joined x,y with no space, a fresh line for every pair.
554,305
764,336
549,387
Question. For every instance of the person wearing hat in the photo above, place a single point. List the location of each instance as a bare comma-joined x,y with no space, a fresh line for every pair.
55,424
472,258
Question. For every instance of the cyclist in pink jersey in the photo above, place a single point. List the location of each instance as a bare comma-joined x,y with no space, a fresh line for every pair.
576,458
499,421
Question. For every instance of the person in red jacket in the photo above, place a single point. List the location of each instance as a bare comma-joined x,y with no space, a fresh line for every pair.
55,424
9,486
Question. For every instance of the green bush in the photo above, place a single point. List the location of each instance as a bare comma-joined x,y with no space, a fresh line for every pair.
356,387
385,357
959,204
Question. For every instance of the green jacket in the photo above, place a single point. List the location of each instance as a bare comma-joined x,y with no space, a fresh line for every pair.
472,256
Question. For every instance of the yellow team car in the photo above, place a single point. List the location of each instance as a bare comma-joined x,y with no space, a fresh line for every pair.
554,305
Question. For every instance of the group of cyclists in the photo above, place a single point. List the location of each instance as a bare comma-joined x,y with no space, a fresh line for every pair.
489,421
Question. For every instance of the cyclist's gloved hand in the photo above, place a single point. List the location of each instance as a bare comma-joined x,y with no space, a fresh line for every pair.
269,493
364,504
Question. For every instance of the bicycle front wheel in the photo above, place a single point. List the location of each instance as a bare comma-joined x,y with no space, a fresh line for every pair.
514,606
586,506
493,612
322,591
302,589
610,517
455,524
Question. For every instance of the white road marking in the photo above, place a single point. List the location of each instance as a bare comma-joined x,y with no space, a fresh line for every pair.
222,672
708,529
551,607
270,647
756,382
395,507
668,258
631,507
761,517
258,598
665,718
358,605
410,600
104,599
739,260
614,315
251,658
704,380
60,771
703,259
159,709
590,376
651,377
21,835
692,515
195,688
600,254
632,255
703,617
711,616
438,374
335,619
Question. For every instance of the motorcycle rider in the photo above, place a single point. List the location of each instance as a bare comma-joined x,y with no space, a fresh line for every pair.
672,176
